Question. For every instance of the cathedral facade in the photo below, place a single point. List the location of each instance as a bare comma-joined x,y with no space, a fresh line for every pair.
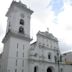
21,56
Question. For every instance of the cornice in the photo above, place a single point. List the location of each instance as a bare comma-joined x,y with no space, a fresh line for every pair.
20,5
17,35
44,61
47,35
44,47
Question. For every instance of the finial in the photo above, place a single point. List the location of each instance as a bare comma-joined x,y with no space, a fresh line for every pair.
14,0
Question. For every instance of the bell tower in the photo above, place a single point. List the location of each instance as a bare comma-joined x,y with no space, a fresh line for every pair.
19,18
17,38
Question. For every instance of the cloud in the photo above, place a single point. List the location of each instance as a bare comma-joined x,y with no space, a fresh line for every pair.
55,14
36,5
64,47
40,21
68,2
65,23
58,18
69,28
57,6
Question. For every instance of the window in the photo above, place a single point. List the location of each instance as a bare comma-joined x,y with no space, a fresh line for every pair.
15,70
39,45
35,69
21,29
23,47
21,21
9,24
17,45
55,57
23,63
17,54
23,54
60,58
49,56
16,62
65,59
22,70
61,70
49,69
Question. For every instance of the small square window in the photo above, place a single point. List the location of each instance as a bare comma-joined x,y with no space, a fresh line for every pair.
22,70
9,24
23,54
16,62
15,70
23,47
23,63
60,58
55,57
17,54
49,56
17,45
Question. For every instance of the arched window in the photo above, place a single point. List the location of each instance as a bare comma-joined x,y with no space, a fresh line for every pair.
35,69
21,21
61,70
60,58
49,56
15,70
55,57
21,29
49,69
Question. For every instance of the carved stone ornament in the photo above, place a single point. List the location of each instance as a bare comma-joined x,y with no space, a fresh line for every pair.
22,15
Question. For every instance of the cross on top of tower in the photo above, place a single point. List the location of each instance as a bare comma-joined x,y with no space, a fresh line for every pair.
48,29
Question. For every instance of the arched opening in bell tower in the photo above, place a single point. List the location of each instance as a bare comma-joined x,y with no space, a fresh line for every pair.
50,69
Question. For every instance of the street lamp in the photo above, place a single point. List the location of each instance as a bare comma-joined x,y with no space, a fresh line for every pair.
59,59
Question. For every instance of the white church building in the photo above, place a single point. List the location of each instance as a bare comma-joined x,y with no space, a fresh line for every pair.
21,56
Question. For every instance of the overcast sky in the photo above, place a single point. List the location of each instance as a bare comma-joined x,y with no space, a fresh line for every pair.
53,14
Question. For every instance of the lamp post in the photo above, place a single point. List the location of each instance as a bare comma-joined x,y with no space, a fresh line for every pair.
58,61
